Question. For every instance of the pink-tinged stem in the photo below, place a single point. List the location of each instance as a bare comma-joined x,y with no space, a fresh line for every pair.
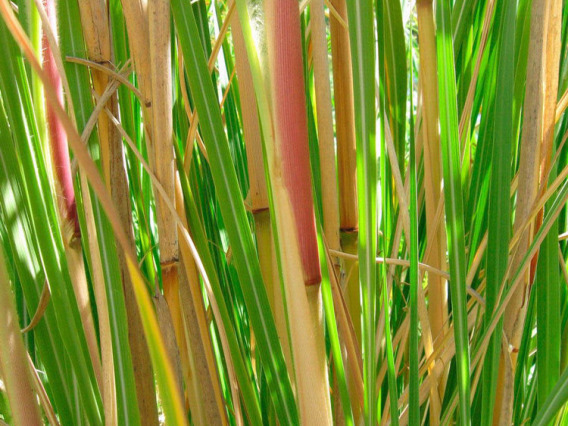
56,132
292,129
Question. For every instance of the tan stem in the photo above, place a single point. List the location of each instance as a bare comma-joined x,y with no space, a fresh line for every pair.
198,360
345,118
136,18
536,145
144,377
346,173
96,27
437,286
257,198
162,124
304,312
166,323
325,125
74,254
96,30
99,291
163,167
205,395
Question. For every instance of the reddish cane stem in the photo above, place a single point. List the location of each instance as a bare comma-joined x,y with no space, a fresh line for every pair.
292,130
56,132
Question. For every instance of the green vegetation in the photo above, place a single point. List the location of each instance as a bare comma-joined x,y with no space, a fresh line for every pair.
246,212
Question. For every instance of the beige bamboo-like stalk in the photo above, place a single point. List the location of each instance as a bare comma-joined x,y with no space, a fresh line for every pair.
13,357
190,294
167,329
552,68
99,291
325,125
258,194
96,27
536,142
293,209
203,387
346,156
346,162
203,391
171,295
257,198
437,288
161,138
346,168
96,30
305,318
163,166
538,130
74,255
162,125
136,18
149,32
345,118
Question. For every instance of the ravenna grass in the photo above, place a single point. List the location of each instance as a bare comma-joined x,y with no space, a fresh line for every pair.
445,361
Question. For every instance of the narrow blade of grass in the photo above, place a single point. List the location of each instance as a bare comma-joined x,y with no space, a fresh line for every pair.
363,62
413,399
449,137
556,399
548,284
499,214
392,56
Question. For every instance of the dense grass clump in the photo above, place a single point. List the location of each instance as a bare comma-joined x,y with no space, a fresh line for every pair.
273,212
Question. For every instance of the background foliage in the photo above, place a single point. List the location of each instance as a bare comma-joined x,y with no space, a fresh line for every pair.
272,212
